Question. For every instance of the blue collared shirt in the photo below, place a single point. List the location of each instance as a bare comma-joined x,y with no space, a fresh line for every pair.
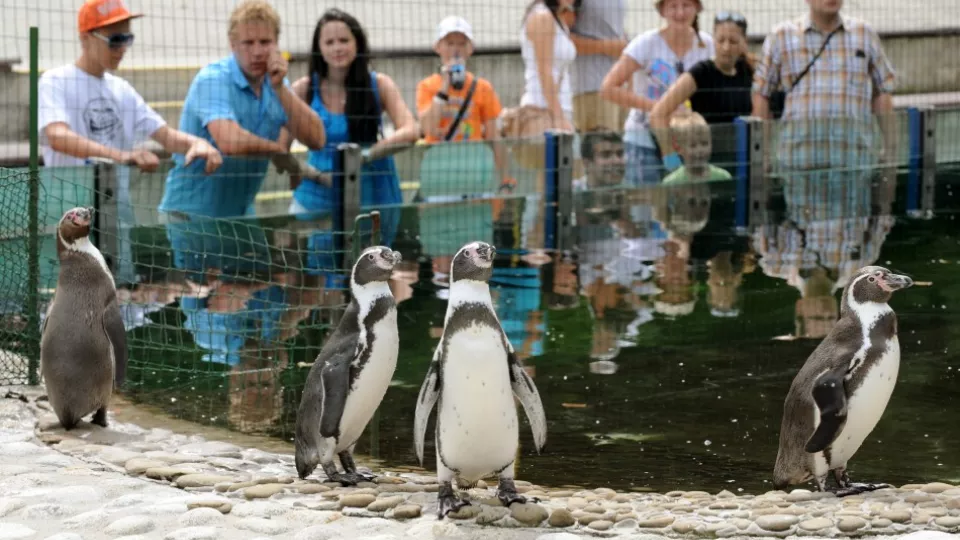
220,91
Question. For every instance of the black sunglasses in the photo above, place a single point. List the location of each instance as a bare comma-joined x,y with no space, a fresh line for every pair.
731,16
116,41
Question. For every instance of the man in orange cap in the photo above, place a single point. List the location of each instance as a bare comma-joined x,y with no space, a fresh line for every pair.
86,112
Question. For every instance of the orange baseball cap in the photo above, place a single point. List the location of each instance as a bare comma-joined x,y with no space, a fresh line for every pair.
99,13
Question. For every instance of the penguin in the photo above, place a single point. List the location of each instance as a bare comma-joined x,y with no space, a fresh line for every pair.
841,391
472,379
83,344
352,372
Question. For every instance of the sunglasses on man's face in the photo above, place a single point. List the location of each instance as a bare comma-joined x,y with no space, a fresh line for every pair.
116,41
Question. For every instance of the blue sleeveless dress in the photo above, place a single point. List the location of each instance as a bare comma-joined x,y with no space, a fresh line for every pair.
379,188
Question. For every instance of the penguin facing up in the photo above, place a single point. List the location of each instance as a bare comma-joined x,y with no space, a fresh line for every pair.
83,344
472,379
352,372
841,391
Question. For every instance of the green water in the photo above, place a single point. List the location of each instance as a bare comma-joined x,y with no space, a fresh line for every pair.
695,400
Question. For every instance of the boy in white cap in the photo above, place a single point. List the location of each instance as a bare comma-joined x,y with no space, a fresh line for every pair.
455,104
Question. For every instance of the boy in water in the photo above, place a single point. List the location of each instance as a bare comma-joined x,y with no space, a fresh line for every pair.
691,138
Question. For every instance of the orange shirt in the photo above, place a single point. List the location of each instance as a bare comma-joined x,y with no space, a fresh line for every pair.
484,106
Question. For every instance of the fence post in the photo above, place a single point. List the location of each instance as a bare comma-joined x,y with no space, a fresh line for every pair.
757,183
928,119
106,221
562,191
351,161
914,159
33,235
741,130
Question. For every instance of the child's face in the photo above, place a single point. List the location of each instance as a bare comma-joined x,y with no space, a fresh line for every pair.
452,46
696,148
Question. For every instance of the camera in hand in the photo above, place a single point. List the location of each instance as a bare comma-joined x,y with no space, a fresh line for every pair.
458,75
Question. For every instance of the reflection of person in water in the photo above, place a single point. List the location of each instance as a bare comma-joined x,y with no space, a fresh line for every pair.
820,246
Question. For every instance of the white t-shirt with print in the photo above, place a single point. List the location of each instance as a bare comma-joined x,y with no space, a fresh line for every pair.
658,70
109,111
104,109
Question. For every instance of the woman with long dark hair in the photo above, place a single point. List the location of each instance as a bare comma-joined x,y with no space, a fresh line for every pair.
351,100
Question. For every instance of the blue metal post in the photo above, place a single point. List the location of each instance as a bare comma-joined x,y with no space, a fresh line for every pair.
742,178
550,177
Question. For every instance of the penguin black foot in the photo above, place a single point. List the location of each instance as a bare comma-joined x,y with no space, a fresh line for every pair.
448,501
347,479
507,493
100,417
349,466
856,488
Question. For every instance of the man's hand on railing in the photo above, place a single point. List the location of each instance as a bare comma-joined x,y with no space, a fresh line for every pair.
286,163
144,160
204,150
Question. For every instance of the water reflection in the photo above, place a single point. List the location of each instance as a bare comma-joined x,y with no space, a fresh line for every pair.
651,343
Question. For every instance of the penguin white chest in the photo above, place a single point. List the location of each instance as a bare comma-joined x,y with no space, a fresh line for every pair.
477,418
372,382
866,405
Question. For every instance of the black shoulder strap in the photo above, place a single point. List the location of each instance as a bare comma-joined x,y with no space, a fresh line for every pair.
814,60
463,109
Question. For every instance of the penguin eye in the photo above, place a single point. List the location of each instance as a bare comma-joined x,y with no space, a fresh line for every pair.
371,257
872,279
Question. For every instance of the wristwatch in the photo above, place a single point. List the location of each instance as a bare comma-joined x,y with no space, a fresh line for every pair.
442,96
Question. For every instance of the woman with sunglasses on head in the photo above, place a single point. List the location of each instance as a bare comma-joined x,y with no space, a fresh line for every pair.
718,88
660,55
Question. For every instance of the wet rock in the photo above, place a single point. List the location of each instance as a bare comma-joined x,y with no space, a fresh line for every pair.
880,523
948,522
896,516
140,465
528,514
936,487
816,524
561,517
724,505
656,522
627,523
310,489
44,511
407,511
201,480
384,504
491,514
130,525
776,522
851,524
263,526
87,519
357,500
685,526
601,525
194,533
221,506
465,512
918,497
200,516
263,491
166,473
800,495
262,509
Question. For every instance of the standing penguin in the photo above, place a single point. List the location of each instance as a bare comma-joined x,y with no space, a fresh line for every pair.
474,376
83,345
352,372
840,393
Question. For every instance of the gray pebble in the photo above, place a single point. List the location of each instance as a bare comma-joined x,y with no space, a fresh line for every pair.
262,526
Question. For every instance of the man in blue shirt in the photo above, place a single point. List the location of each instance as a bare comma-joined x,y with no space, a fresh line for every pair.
244,106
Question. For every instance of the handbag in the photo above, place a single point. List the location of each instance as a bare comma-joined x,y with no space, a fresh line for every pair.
778,99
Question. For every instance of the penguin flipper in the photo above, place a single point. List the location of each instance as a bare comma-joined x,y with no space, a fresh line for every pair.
429,393
830,395
117,335
335,378
529,397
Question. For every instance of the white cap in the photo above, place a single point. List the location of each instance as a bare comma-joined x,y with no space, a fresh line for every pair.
453,24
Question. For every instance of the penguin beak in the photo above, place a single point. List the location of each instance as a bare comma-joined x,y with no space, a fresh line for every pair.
487,252
394,256
895,282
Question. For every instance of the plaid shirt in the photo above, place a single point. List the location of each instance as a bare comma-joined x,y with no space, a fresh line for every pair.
828,118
